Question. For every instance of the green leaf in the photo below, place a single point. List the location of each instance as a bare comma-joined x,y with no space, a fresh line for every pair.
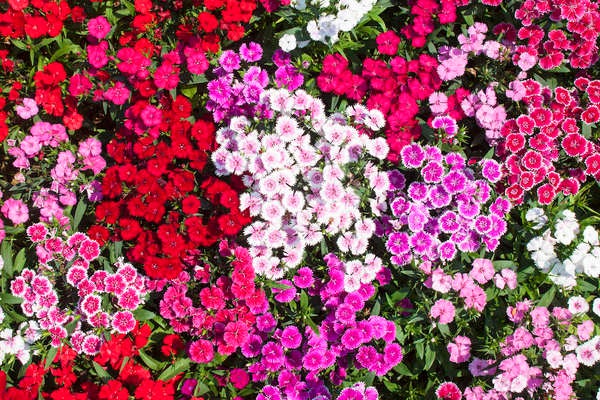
469,19
179,366
79,211
50,357
429,358
6,251
102,374
65,49
444,330
19,261
324,249
124,363
150,362
143,315
303,300
376,308
402,369
8,298
201,389
420,347
19,44
501,264
189,91
312,324
586,130
115,251
547,298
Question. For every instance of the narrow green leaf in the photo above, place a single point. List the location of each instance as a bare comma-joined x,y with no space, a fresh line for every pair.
19,44
303,300
143,315
102,374
429,358
312,324
179,366
402,369
376,308
444,330
50,357
79,211
124,363
6,251
8,298
189,91
201,389
547,298
420,347
501,264
150,362
19,261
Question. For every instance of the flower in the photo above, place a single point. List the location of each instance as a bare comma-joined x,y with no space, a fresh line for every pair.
28,109
287,42
98,27
448,391
460,349
15,210
443,310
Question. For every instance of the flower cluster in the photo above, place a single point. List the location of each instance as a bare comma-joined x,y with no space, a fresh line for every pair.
106,300
393,87
442,212
298,360
153,185
425,14
46,19
331,20
298,188
468,287
543,353
67,169
182,216
572,39
230,97
118,358
18,343
557,252
231,307
534,142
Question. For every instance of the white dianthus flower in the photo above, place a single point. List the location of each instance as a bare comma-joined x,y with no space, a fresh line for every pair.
537,216
578,305
568,215
580,251
287,42
596,306
591,265
565,232
590,235
298,4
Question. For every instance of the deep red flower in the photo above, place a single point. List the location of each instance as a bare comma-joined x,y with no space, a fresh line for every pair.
113,389
172,345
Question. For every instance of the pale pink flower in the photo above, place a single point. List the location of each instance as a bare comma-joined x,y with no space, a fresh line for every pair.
460,349
443,310
482,271
15,210
28,109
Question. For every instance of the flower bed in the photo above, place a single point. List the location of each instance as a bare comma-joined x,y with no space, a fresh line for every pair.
298,199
